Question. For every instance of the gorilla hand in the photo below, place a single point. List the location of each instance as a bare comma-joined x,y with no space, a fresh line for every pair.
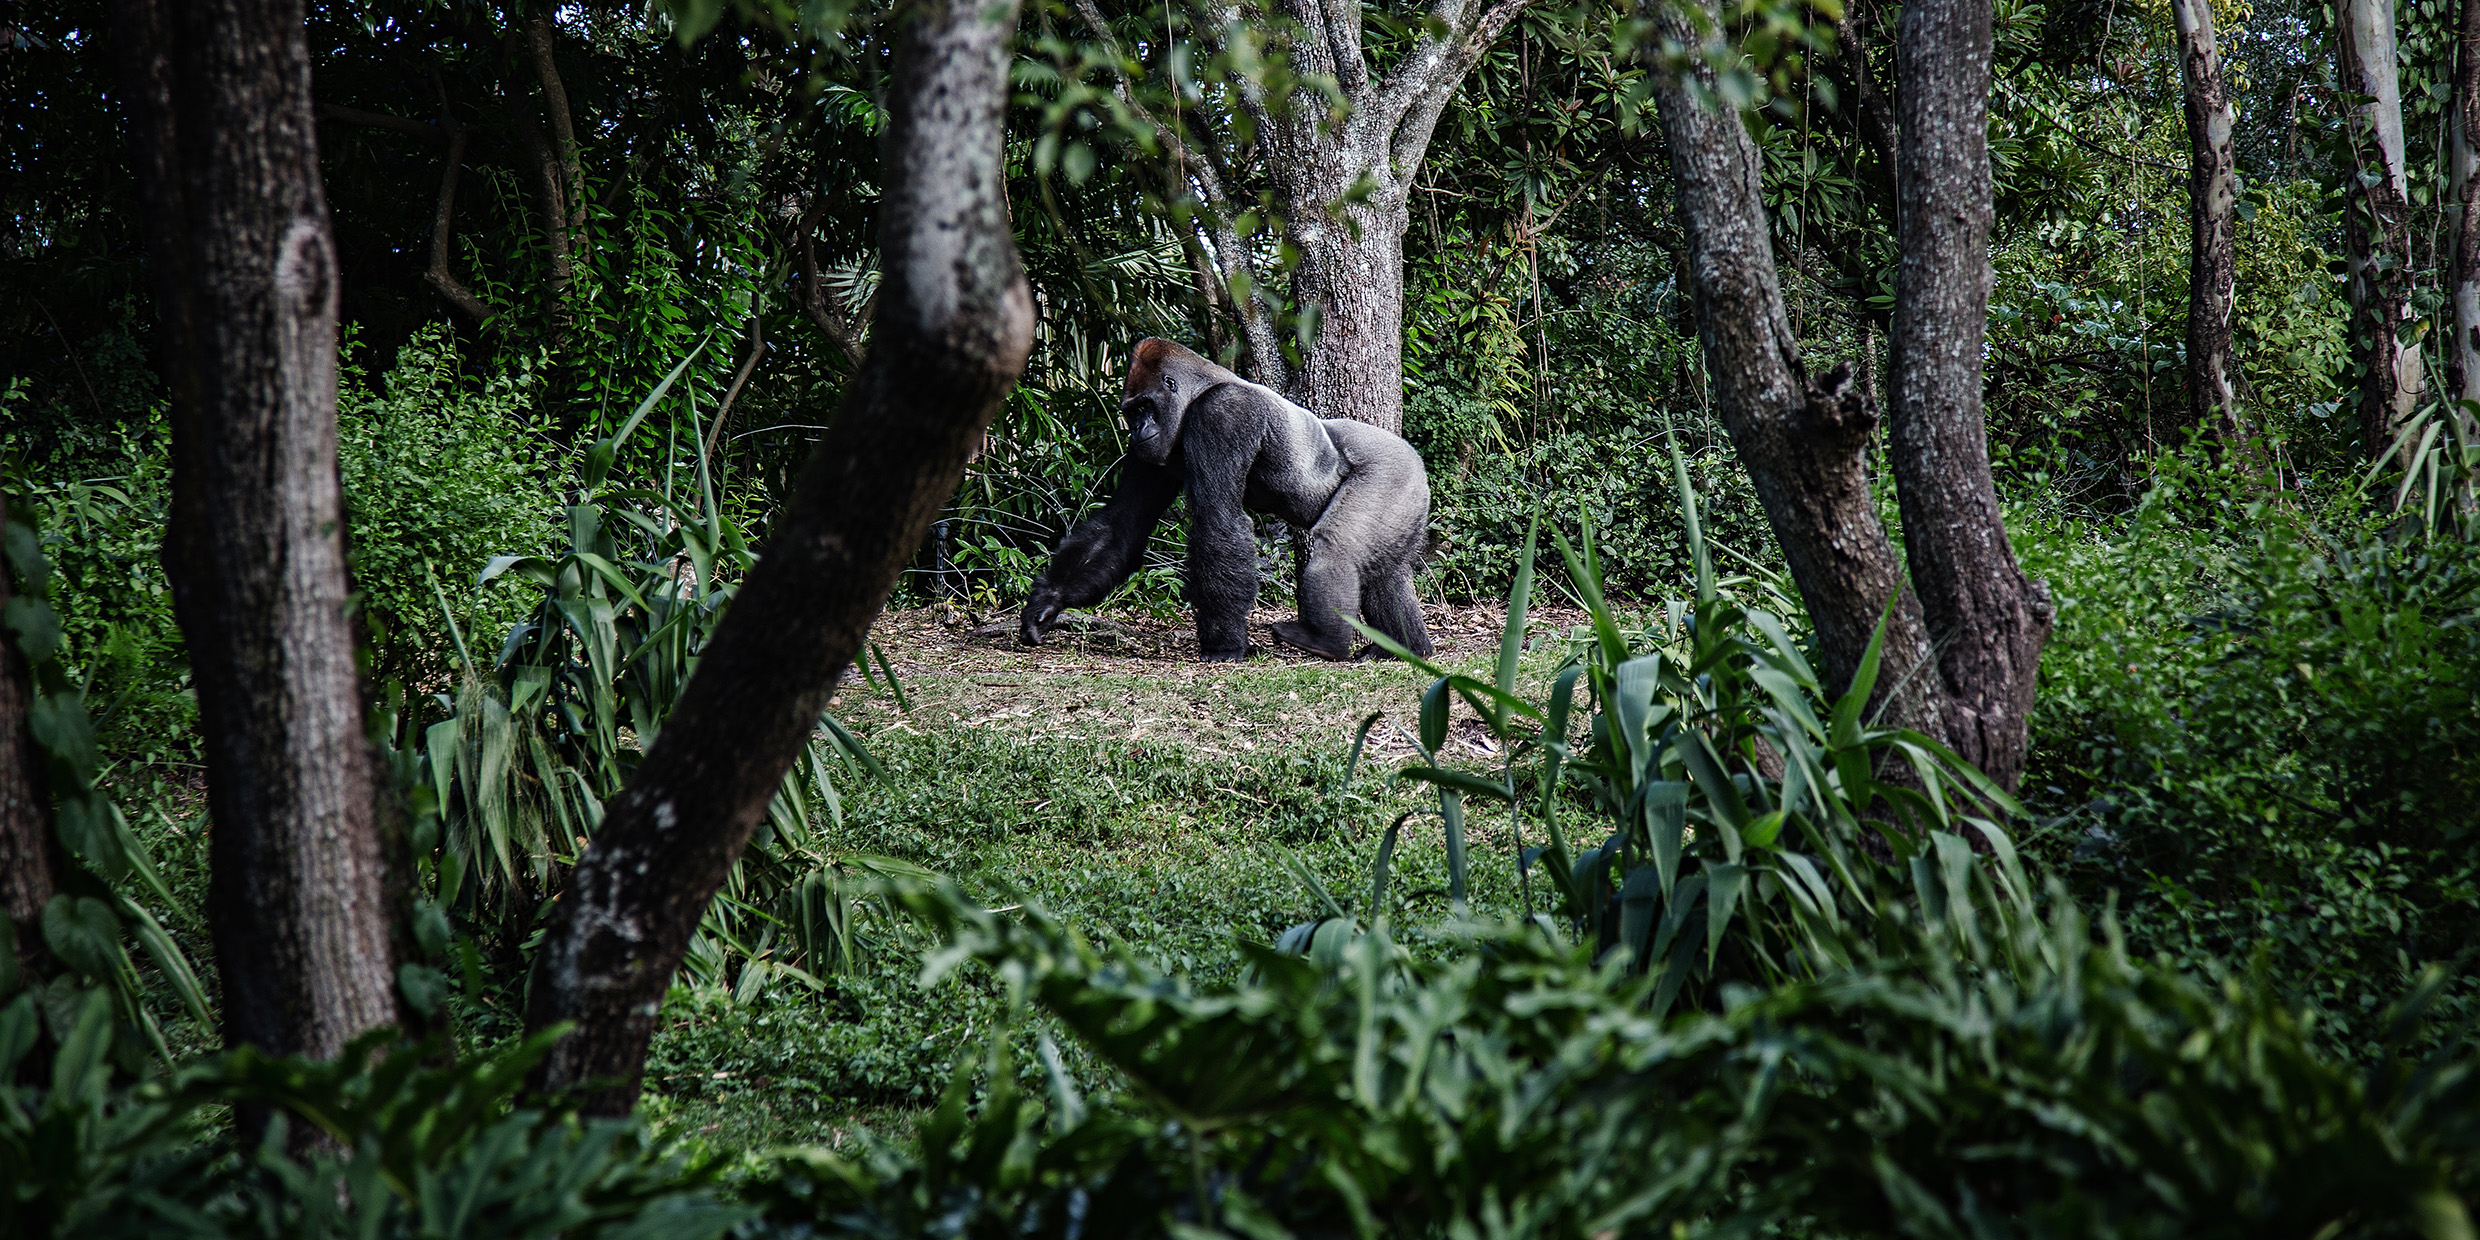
1040,614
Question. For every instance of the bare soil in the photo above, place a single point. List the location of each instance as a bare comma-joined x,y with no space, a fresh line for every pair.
1137,679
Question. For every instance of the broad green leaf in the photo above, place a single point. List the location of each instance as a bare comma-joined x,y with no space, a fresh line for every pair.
82,931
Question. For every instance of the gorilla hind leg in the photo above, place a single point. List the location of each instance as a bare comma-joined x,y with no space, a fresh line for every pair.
1330,599
1393,608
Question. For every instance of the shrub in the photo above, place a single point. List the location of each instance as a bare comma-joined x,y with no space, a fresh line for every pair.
417,1145
2266,744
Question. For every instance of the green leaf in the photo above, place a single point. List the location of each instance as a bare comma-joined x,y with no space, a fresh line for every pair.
424,987
34,625
170,962
599,458
86,825
80,1070
82,931
1458,780
1723,885
1434,706
1519,598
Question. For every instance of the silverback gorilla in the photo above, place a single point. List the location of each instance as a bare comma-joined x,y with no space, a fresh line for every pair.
1360,493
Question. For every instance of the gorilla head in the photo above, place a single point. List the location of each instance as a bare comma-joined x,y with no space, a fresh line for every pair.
1162,379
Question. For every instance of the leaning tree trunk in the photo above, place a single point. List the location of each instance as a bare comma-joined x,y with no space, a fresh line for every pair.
1804,441
1963,641
1988,620
2213,225
2463,352
954,324
221,137
2379,233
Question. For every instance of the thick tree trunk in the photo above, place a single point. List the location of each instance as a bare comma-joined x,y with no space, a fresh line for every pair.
2213,225
1988,620
2379,233
1805,442
2463,352
1961,655
29,851
954,324
1352,271
244,271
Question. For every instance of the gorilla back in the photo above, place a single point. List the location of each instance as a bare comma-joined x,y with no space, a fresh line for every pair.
1238,448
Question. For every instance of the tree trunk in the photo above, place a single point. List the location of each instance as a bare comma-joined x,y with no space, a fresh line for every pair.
30,859
1976,622
1804,442
2463,352
221,136
2379,233
1350,282
954,324
1352,271
2213,225
1987,619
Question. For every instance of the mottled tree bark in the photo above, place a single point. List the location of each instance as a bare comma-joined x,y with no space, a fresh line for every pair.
244,272
2463,352
2213,226
1804,441
2379,223
954,324
29,851
1964,641
1987,619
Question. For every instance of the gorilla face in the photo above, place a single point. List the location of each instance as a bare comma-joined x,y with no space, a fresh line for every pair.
1161,382
1153,425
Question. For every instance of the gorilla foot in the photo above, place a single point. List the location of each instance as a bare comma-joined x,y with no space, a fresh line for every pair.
1295,634
1227,656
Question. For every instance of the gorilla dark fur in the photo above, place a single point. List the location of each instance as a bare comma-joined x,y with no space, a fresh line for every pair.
1360,492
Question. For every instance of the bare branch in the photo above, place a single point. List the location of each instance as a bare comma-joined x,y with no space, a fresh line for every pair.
442,274
740,378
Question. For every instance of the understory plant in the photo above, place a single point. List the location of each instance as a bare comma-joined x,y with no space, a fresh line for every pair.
534,742
1803,985
415,1143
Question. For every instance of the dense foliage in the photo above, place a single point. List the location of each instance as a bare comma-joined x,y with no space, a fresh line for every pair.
1742,960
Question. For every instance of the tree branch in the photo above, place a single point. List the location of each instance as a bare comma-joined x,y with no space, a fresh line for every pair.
1241,285
547,185
740,378
538,42
1410,102
442,274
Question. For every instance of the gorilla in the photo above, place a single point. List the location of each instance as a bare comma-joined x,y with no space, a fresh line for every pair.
1360,492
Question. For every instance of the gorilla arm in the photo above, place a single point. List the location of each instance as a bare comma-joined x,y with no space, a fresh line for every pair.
1105,548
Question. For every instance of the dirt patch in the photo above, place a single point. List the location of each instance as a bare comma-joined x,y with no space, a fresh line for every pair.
1137,679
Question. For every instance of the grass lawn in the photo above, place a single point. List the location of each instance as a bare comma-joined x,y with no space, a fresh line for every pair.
1149,798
